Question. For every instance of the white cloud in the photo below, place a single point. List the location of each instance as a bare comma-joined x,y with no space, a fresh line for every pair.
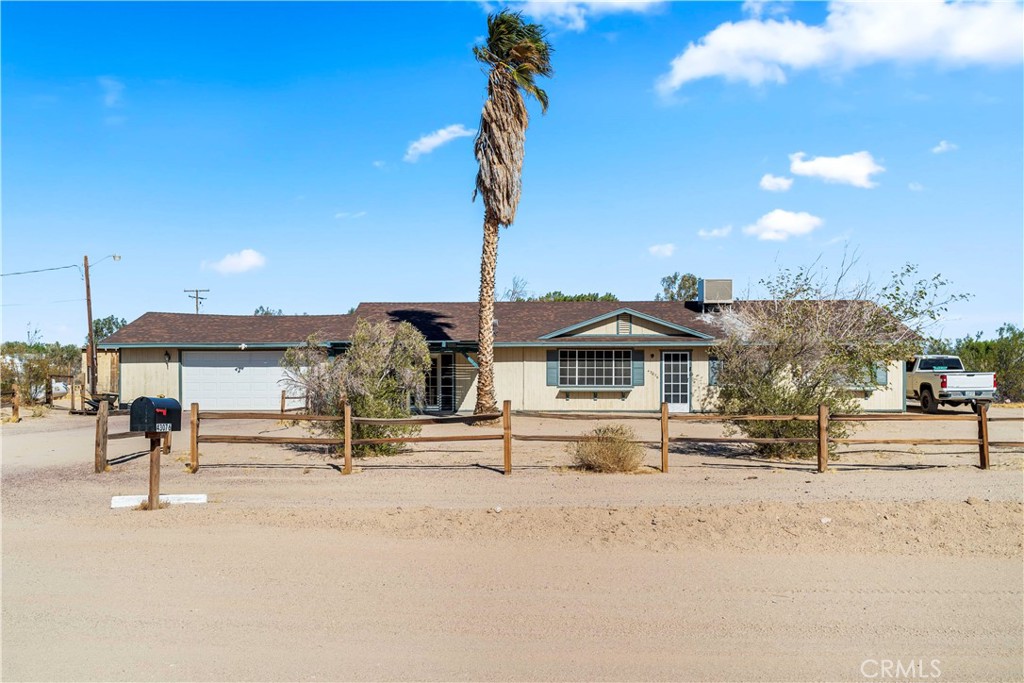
662,250
763,50
341,215
575,15
431,141
379,164
774,183
915,187
714,232
113,91
240,262
851,169
759,8
944,146
779,225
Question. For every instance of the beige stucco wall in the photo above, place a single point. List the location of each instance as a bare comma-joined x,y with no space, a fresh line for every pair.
520,376
611,327
144,372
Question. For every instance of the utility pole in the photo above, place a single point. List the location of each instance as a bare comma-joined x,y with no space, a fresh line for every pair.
195,295
92,340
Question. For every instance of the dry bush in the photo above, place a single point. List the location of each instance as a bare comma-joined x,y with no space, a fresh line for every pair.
613,450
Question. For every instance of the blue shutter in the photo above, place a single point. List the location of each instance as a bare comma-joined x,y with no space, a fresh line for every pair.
638,367
882,374
553,368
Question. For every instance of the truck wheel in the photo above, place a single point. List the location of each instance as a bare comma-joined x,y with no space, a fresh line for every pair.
928,402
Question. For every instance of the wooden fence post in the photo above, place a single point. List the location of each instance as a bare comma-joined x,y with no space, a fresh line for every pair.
283,397
664,437
155,446
506,428
16,405
983,434
822,437
101,438
194,440
347,469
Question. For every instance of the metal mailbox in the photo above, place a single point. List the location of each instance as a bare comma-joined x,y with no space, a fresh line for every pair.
154,415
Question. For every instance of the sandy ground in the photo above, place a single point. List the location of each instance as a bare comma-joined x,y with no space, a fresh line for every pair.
726,568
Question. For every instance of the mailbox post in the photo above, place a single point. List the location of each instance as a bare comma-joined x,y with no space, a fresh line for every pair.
157,418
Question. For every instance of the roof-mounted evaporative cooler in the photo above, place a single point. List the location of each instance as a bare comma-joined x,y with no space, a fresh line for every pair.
714,293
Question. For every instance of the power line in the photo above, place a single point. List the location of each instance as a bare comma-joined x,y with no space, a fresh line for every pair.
41,270
196,296
45,303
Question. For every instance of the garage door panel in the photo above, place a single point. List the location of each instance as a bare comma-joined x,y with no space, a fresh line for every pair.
232,380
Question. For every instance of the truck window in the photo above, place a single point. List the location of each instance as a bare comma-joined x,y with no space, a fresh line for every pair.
948,363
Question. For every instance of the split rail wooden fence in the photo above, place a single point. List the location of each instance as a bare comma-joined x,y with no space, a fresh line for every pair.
822,440
197,417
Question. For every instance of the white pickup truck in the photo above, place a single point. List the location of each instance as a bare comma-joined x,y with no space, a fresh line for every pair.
938,380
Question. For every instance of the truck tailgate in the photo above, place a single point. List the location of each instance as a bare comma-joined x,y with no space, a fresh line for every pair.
969,381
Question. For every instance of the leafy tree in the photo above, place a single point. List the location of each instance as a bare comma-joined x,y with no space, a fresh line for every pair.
104,327
815,341
559,296
678,287
515,54
263,310
518,292
384,368
29,364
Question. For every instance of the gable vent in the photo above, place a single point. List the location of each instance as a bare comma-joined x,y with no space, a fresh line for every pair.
625,324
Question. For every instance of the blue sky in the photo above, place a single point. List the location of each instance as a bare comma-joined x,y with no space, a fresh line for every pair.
311,156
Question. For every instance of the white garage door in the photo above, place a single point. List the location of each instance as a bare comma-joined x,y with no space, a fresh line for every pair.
232,380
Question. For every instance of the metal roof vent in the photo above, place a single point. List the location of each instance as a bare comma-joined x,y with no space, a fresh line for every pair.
714,291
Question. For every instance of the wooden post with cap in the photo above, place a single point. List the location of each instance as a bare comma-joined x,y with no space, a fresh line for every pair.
155,447
100,464
194,439
347,408
822,437
664,437
983,435
506,431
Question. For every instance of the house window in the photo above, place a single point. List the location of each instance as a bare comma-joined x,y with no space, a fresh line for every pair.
595,368
714,366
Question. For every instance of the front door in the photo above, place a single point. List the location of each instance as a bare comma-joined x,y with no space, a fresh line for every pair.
440,384
675,380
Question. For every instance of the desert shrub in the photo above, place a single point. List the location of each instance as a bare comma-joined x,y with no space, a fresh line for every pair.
381,374
613,450
815,341
29,364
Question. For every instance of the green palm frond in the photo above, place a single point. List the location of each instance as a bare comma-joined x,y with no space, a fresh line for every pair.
518,47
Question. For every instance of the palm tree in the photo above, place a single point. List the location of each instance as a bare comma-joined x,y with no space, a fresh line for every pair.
515,54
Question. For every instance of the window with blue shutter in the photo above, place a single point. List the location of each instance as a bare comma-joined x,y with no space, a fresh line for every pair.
552,368
882,374
638,367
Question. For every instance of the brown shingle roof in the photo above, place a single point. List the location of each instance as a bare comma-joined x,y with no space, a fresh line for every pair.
182,329
523,321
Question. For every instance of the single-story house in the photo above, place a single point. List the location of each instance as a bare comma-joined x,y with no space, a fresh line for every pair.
550,356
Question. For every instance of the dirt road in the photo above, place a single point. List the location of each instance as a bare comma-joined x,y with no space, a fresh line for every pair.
726,568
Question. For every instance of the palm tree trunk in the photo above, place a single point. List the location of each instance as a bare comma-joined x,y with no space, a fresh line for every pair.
485,401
